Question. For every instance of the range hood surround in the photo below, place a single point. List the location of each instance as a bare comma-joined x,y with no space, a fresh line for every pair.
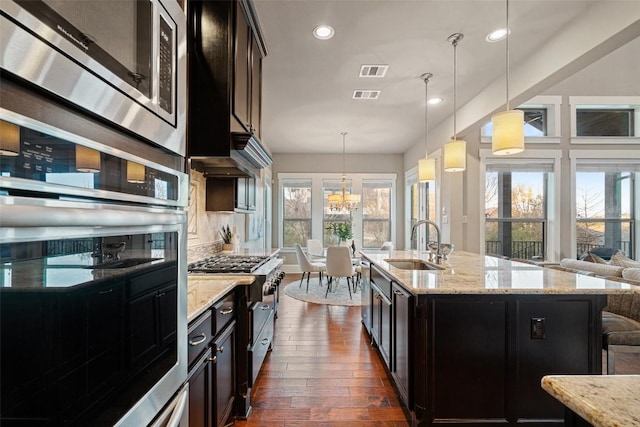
246,157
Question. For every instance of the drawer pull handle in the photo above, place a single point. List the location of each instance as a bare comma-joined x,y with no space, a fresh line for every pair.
398,293
213,359
106,291
265,341
200,341
265,307
226,311
220,350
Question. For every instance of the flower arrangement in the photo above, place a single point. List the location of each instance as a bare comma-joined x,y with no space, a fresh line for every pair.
226,234
342,230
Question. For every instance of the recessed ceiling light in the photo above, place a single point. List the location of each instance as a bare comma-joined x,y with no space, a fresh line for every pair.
323,32
434,101
497,35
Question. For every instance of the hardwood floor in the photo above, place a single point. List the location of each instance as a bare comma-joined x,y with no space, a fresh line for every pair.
322,372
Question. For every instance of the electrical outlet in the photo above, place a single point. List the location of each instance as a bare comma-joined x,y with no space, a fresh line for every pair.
537,328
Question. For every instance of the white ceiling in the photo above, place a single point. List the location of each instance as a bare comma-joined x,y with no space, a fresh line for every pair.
308,84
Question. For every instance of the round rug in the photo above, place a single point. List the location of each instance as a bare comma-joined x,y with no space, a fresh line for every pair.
339,296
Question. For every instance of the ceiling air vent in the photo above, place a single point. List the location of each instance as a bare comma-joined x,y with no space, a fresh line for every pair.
366,94
373,70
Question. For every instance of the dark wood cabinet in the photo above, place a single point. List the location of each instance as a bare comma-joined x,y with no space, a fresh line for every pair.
231,194
402,304
381,314
226,48
213,364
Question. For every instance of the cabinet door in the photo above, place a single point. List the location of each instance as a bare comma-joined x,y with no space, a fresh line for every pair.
201,392
256,88
401,301
385,330
251,194
225,374
375,314
241,193
242,70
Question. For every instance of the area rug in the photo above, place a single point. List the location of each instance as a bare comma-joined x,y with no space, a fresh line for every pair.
339,296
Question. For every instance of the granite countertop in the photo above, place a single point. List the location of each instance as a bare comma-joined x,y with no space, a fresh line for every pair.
602,400
469,273
205,290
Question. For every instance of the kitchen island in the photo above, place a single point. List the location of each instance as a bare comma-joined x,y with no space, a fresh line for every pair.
468,344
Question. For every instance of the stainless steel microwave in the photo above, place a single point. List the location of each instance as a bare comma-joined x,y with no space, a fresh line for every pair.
122,60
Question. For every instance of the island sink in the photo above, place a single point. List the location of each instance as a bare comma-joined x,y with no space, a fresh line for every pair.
413,264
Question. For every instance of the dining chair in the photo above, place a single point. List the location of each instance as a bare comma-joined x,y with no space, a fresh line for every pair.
339,264
315,250
307,267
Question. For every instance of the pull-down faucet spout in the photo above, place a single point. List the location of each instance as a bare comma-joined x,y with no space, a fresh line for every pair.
427,221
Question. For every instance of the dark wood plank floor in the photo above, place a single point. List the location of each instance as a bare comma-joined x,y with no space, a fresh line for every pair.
321,372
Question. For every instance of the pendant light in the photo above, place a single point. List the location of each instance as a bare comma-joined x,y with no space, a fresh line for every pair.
427,165
508,126
343,201
455,151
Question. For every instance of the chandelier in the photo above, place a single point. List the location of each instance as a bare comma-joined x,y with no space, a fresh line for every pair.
343,201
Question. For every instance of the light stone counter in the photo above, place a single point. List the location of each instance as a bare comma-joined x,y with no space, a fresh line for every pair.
204,291
602,400
469,273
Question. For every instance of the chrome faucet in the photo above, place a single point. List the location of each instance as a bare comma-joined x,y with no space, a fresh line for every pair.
427,221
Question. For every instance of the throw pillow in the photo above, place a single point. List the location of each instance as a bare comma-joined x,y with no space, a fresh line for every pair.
621,260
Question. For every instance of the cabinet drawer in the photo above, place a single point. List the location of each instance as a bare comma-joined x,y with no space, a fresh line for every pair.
259,315
199,336
259,350
382,282
224,312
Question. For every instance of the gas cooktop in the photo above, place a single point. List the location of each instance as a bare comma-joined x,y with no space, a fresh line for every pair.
228,264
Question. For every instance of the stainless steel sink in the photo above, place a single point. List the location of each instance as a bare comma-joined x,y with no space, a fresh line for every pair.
124,263
412,264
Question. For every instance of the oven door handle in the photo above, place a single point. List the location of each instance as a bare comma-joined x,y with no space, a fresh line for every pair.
178,412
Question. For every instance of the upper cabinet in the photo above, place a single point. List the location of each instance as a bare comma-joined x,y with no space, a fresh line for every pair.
226,49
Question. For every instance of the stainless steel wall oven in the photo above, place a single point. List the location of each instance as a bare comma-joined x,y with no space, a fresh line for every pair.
122,60
92,280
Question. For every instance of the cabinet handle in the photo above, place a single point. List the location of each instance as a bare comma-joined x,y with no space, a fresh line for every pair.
226,311
200,341
265,341
398,292
106,291
220,350
160,295
213,359
265,307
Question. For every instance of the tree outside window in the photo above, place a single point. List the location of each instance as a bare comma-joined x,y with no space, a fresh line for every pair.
296,195
376,215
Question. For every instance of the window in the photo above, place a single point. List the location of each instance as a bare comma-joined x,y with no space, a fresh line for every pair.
605,119
330,217
296,196
376,214
604,122
515,209
605,206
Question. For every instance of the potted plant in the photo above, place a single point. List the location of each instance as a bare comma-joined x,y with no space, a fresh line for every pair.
227,238
342,230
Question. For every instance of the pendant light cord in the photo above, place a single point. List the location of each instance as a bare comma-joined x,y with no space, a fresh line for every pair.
426,77
507,54
455,85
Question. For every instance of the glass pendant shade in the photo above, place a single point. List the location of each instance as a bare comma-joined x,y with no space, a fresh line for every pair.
508,133
9,139
426,169
455,155
135,173
87,159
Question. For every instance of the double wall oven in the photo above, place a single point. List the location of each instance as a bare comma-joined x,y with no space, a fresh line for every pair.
92,280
